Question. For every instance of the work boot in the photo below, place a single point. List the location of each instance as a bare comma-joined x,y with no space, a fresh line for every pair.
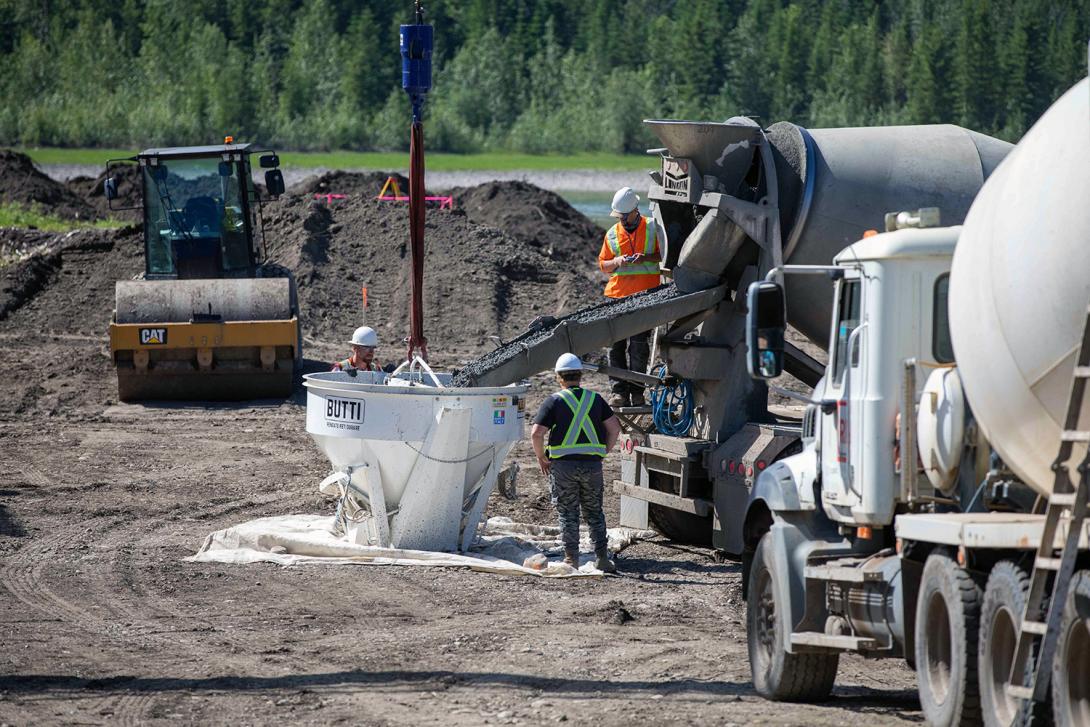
572,559
618,400
636,399
603,563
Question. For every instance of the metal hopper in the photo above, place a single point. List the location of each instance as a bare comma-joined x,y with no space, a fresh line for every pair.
414,460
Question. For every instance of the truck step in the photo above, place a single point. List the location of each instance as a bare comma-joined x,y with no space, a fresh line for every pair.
692,505
1034,627
834,571
827,641
664,454
1067,499
1072,435
1047,563
1082,372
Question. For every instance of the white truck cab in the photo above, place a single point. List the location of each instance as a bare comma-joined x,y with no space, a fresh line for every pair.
890,305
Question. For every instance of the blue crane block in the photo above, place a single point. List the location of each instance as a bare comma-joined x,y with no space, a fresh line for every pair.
416,49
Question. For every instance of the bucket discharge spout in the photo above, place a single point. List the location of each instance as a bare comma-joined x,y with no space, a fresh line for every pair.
416,49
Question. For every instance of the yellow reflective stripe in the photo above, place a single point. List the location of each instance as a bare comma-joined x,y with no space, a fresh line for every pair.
639,269
580,423
649,236
611,239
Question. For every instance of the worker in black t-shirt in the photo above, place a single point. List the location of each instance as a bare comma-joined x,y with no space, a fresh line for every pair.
581,429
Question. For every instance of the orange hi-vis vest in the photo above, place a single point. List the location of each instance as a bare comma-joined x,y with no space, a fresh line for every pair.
640,275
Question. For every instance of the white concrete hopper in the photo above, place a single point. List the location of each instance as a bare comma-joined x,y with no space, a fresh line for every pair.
419,459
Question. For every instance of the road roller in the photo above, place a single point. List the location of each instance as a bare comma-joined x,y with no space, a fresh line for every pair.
209,318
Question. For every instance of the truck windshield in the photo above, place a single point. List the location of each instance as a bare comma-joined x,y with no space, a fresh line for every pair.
193,218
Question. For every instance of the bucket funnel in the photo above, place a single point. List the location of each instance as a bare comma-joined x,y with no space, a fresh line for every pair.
414,461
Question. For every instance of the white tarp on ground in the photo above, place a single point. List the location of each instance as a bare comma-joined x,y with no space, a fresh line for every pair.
502,547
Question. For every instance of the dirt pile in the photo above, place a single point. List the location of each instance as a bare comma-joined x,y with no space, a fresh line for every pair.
129,190
22,183
479,281
351,184
536,216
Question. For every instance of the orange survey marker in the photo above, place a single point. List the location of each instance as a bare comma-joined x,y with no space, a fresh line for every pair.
445,202
390,182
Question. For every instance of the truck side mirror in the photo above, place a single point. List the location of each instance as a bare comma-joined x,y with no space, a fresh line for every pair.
109,187
274,182
766,322
269,161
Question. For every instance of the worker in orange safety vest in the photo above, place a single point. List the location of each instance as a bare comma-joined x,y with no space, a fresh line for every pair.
630,255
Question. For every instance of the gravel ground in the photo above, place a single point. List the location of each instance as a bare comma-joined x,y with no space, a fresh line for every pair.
103,622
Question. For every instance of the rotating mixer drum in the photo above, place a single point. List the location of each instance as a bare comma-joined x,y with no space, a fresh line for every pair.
1020,286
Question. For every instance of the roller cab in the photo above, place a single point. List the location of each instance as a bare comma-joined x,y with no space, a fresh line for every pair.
208,320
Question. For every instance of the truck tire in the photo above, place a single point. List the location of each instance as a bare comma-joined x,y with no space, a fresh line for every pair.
1071,666
680,527
778,674
1000,616
947,630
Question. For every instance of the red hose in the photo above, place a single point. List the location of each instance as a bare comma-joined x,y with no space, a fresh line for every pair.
417,342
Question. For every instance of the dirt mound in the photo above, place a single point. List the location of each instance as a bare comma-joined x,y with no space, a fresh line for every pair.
129,191
362,185
22,183
533,215
479,281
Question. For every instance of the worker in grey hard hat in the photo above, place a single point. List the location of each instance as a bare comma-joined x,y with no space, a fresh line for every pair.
364,342
581,430
630,255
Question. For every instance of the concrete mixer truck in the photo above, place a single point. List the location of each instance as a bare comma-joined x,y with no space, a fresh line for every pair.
735,201
935,510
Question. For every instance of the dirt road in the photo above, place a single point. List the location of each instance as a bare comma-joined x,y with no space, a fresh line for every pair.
102,621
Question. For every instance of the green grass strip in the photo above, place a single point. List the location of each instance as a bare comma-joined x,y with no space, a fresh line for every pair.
437,161
16,215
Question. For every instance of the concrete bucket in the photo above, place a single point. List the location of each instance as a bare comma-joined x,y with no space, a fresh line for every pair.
414,460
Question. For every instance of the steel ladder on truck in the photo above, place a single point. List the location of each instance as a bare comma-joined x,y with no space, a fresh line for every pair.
1068,502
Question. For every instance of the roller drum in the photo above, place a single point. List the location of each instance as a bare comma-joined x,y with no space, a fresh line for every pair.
1020,287
179,301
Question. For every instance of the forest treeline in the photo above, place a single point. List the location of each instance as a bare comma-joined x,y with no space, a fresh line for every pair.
525,75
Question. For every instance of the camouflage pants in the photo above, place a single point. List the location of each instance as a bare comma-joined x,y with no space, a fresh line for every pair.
576,484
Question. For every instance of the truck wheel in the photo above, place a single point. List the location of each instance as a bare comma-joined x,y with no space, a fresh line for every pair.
1000,616
1071,666
777,674
681,527
947,628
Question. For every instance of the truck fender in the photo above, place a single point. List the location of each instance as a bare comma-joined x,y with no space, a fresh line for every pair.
787,485
794,538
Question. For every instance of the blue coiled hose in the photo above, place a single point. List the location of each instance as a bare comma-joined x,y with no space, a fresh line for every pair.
672,404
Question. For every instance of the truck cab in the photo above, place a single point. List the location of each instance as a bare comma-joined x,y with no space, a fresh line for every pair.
201,209
890,305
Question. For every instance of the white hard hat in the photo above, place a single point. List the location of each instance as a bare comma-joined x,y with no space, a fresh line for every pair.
568,362
365,336
624,202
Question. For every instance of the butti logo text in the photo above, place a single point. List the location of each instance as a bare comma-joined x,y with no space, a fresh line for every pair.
153,336
344,413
